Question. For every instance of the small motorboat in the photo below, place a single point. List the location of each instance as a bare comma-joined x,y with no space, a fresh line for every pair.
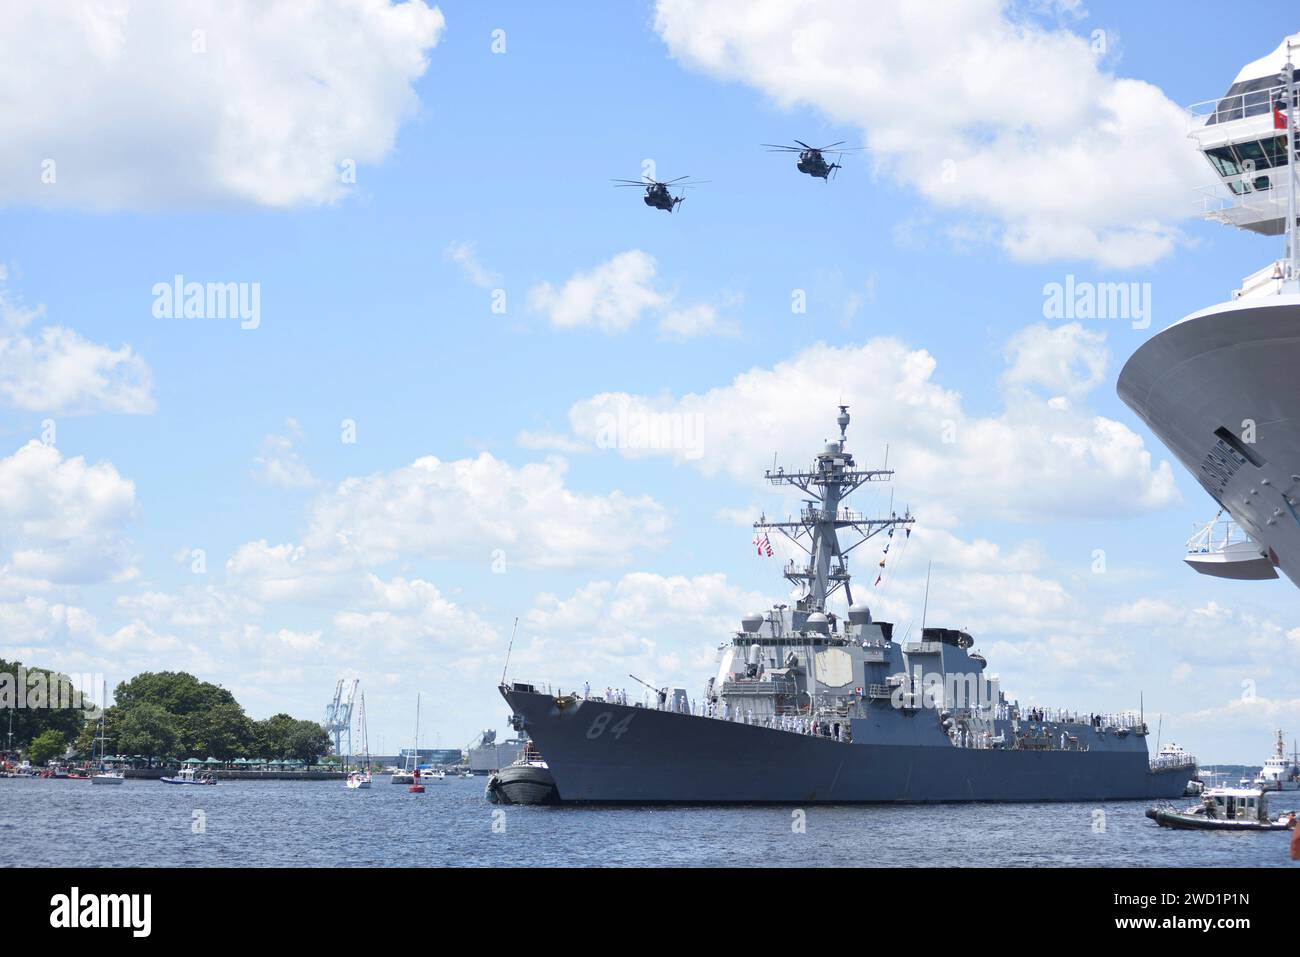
108,777
358,780
190,776
1225,809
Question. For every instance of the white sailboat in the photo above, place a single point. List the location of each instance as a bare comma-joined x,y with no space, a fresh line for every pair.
407,774
103,775
360,780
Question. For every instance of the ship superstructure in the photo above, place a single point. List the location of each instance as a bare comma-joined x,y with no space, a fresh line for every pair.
811,705
1219,387
1281,772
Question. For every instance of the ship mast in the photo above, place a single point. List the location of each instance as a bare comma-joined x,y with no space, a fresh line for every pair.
1292,251
833,477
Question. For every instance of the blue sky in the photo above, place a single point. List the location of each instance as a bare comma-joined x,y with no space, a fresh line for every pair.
366,317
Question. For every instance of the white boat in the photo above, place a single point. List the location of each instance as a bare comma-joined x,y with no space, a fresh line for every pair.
1219,386
103,775
190,776
1225,809
1280,773
360,780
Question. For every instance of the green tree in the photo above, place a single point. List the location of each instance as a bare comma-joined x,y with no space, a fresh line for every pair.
49,702
48,744
308,742
147,730
283,736
177,692
271,737
223,731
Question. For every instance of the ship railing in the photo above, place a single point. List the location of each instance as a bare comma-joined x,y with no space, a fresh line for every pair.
1216,537
756,686
1257,200
1173,761
1239,106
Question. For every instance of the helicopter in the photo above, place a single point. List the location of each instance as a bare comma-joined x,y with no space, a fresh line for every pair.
657,194
811,158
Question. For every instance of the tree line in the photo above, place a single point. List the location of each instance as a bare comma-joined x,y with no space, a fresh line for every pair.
159,716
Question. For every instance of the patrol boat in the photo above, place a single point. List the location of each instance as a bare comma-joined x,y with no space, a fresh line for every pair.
1219,386
810,706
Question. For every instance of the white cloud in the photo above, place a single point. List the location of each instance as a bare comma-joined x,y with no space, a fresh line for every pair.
62,520
55,371
468,508
981,110
691,322
617,294
548,441
290,573
662,628
1031,461
1066,359
279,465
204,103
411,616
465,255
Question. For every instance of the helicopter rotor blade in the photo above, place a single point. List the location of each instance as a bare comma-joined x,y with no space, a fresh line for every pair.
805,145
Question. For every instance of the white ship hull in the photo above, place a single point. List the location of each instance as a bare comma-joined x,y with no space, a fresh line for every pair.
1221,389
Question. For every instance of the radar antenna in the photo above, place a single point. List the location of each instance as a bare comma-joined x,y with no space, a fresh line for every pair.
833,477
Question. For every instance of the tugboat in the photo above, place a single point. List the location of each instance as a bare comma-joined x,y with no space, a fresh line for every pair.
527,781
1225,809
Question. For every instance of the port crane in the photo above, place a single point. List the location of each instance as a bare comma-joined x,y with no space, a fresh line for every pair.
338,714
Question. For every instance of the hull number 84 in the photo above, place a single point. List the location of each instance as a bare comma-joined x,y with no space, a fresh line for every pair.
602,724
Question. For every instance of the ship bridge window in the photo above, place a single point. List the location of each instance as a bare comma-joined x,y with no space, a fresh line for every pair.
1224,160
1275,150
1252,151
1243,186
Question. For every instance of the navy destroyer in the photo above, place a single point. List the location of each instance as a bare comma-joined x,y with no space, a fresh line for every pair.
1219,387
813,706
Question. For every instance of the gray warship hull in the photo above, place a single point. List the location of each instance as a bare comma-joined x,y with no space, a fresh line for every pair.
663,757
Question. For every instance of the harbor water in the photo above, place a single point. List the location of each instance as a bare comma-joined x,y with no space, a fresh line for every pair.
313,824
